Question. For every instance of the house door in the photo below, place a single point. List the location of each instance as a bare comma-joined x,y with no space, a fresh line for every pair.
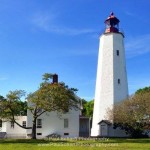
104,130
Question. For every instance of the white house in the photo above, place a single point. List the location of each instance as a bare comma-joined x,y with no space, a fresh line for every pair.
66,125
11,130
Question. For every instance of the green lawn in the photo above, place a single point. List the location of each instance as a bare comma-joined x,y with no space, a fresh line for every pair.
101,144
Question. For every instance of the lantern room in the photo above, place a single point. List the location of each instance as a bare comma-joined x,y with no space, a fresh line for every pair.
112,23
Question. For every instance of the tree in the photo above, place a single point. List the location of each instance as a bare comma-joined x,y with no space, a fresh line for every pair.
133,114
49,97
143,90
2,98
12,106
88,108
82,103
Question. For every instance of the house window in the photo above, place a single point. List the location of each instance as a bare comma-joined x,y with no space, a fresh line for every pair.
24,123
12,125
118,81
117,51
66,123
39,123
66,133
39,133
0,123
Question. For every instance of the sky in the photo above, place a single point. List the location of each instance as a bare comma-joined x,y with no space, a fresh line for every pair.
62,36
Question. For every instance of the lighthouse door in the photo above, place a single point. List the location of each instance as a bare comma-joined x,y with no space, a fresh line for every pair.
104,130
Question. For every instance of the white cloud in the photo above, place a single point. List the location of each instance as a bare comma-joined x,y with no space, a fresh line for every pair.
49,23
70,31
43,20
130,14
137,46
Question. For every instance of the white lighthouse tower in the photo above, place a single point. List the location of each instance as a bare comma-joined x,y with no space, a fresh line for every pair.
111,82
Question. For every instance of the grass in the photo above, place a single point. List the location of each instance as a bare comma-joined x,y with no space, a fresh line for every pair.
73,144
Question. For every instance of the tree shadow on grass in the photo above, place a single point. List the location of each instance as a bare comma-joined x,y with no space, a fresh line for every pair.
129,140
45,141
30,141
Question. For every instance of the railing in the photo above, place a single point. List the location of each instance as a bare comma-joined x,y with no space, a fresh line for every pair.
120,30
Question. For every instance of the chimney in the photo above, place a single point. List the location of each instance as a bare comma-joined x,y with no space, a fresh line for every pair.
55,78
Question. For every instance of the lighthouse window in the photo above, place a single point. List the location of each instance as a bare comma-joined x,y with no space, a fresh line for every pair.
117,52
118,81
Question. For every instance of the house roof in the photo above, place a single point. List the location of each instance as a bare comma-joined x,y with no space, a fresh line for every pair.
105,121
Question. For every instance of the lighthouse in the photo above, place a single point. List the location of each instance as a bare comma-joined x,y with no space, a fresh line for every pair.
111,82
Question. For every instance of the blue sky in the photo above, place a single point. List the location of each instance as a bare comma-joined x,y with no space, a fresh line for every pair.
62,36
